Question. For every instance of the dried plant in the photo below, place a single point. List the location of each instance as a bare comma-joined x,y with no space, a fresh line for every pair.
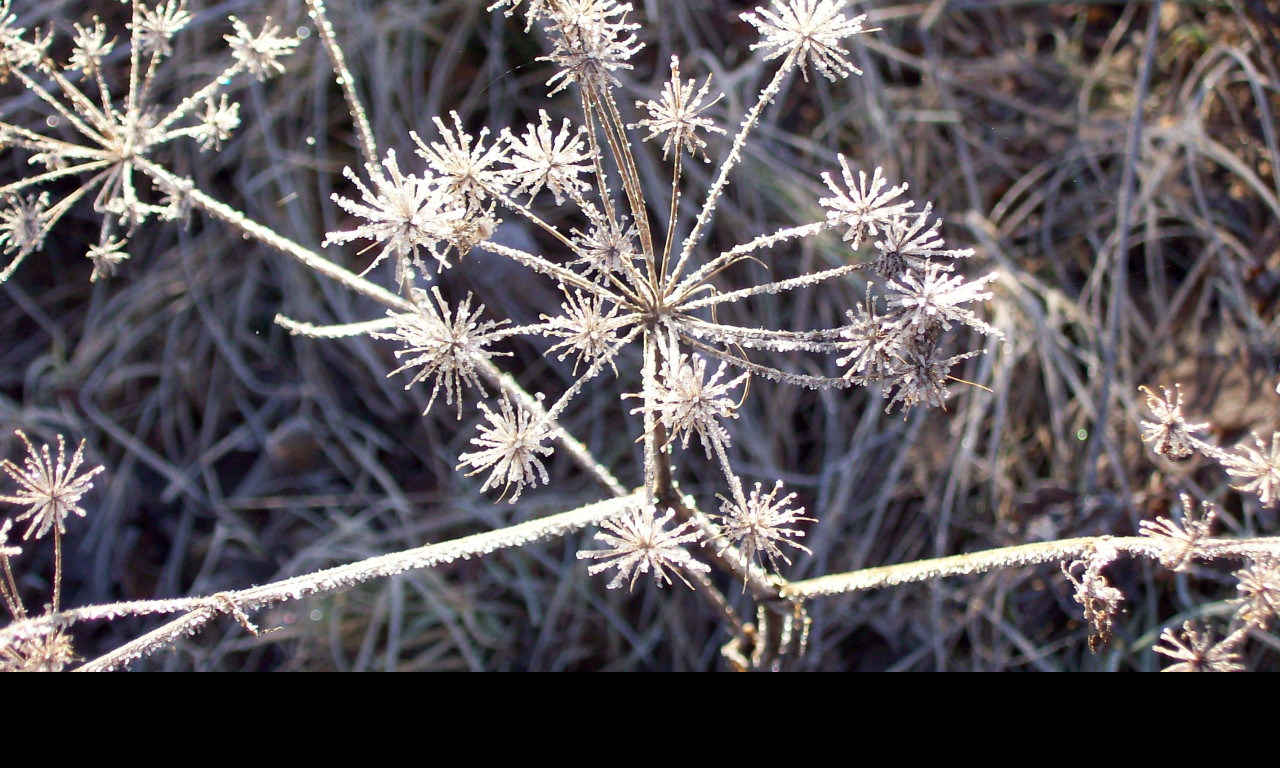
647,295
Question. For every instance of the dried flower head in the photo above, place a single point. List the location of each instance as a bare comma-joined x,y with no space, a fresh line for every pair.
109,141
511,449
763,524
5,549
641,543
934,297
592,39
541,159
106,257
809,30
676,115
445,346
154,31
402,212
44,653
911,240
608,247
587,329
1170,435
1100,600
687,401
919,375
51,489
1259,465
259,54
1178,544
1196,651
23,224
219,120
89,47
864,207
1259,592
871,344
463,162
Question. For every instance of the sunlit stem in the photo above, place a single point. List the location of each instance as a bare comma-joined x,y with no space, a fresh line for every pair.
602,180
57,568
610,125
598,365
631,183
735,485
69,115
368,146
9,588
671,220
135,61
74,170
196,99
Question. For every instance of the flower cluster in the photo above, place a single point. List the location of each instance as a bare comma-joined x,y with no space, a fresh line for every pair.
623,282
902,347
115,136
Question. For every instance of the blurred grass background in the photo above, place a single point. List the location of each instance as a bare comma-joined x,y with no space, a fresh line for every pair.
238,454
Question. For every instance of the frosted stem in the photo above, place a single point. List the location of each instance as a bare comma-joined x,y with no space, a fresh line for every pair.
347,576
368,146
1012,557
735,154
247,226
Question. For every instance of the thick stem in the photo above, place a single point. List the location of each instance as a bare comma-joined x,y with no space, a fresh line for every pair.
1007,557
347,576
